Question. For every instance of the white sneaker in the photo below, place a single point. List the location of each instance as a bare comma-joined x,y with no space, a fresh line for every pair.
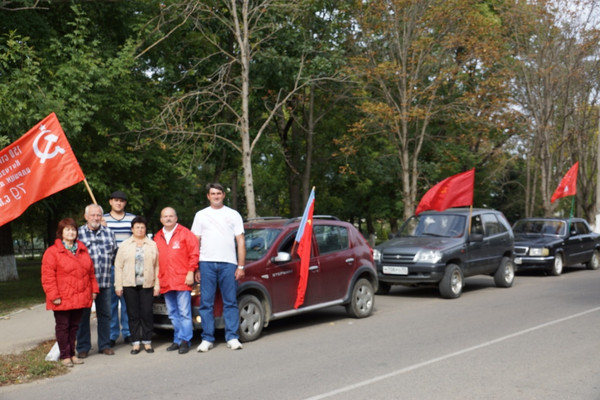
205,346
234,344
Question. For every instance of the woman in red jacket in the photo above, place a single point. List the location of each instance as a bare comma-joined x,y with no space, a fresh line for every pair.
70,285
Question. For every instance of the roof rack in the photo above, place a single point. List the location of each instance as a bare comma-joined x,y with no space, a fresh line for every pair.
329,217
263,219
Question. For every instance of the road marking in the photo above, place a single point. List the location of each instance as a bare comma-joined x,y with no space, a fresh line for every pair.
447,356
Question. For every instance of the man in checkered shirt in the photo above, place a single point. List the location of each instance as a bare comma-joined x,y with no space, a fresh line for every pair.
102,247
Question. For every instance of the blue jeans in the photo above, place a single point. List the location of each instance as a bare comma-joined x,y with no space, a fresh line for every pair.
114,314
179,307
213,274
84,342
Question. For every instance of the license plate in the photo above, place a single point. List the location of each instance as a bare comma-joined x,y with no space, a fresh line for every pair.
395,270
160,308
518,260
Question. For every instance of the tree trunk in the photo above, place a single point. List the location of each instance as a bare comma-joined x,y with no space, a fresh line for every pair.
245,120
306,187
8,263
234,192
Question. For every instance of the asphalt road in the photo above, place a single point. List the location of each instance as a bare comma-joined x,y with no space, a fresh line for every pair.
537,340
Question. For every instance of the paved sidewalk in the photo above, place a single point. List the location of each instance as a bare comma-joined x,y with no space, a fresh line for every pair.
24,329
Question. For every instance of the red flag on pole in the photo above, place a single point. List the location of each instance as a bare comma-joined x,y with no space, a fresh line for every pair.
304,240
36,166
568,185
454,191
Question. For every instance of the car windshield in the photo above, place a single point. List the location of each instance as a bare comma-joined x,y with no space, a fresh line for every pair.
539,227
259,241
434,225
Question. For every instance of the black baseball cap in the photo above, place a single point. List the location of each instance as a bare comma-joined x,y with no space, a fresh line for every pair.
118,195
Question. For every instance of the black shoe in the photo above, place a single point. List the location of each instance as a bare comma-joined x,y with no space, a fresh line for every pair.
127,339
173,347
135,351
148,349
184,347
112,343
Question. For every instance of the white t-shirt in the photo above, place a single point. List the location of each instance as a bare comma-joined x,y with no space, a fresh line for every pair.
217,228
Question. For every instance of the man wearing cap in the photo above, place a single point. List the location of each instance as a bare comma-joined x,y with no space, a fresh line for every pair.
119,223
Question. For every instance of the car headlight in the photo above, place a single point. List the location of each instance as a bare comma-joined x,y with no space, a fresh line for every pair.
376,255
428,256
539,251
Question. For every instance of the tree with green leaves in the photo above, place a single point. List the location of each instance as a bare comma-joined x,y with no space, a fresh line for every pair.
214,101
83,68
555,44
423,66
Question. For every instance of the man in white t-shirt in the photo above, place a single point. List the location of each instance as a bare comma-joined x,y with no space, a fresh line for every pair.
219,228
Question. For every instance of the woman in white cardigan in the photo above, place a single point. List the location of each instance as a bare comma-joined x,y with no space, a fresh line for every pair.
136,279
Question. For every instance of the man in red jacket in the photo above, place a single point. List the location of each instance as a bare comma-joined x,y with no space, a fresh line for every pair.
178,251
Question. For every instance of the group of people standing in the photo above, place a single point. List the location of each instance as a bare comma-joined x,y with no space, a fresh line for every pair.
111,260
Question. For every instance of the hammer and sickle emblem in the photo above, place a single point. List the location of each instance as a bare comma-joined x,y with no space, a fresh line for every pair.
50,139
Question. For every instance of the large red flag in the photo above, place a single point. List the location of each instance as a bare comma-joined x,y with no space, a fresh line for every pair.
37,165
304,240
568,185
454,191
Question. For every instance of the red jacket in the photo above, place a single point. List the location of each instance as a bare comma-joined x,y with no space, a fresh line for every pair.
68,277
177,258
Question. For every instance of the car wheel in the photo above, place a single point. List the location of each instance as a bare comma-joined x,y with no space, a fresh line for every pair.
557,267
383,288
252,318
452,283
505,274
594,262
362,299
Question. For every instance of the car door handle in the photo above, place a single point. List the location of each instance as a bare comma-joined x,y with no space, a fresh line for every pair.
350,260
313,268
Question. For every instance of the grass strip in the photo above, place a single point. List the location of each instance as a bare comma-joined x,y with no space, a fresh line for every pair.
29,365
25,292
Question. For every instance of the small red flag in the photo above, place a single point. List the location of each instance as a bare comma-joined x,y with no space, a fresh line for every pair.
37,165
304,239
568,185
454,191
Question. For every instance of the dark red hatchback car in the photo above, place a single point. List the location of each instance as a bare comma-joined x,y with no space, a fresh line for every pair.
341,272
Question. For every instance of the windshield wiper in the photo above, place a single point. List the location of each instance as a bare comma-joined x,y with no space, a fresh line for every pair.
432,234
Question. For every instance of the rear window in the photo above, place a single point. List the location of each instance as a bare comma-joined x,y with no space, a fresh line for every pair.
491,225
331,238
582,229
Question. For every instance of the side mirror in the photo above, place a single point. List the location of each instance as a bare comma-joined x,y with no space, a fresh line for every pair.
282,257
476,237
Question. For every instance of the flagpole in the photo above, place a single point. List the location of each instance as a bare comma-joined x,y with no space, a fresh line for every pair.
570,215
470,214
295,243
572,206
293,248
89,190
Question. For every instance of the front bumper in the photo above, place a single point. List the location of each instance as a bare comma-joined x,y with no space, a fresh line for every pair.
162,321
529,262
408,274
